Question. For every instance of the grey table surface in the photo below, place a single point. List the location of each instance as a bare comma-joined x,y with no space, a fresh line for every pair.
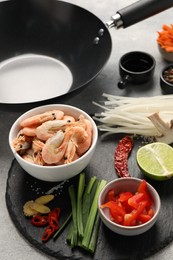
141,36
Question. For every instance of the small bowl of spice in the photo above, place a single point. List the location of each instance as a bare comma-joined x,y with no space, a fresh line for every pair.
166,79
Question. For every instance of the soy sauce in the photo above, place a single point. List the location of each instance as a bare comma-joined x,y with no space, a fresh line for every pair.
136,65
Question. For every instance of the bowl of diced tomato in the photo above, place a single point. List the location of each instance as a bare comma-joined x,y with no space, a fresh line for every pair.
129,206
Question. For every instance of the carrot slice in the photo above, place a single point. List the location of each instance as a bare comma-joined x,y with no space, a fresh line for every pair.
165,38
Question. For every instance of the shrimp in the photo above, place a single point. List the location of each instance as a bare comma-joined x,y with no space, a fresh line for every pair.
41,118
80,122
54,148
29,131
78,136
68,118
84,146
22,142
37,147
28,156
49,128
33,155
63,145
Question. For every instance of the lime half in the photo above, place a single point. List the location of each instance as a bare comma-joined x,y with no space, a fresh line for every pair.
156,160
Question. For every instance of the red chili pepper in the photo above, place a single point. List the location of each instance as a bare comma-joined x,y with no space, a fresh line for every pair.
53,218
121,156
39,221
48,233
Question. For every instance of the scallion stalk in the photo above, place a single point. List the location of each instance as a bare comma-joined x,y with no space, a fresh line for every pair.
93,240
62,227
92,215
72,194
81,186
87,199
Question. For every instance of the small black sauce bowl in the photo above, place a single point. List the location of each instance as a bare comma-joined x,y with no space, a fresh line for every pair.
166,86
135,67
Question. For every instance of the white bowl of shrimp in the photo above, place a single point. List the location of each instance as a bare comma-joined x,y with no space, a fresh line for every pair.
53,142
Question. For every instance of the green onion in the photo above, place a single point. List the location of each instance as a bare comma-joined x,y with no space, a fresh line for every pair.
93,241
70,233
62,227
81,186
92,215
87,200
72,194
83,231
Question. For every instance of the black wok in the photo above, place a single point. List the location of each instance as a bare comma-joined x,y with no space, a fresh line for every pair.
66,32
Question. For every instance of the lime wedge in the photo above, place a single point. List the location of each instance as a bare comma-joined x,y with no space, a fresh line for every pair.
156,160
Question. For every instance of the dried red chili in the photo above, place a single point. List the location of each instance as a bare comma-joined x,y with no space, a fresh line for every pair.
121,155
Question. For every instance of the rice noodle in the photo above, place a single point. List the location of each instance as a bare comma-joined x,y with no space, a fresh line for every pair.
130,114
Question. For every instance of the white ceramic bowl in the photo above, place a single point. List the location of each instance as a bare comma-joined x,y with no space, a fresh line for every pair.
168,56
61,172
122,185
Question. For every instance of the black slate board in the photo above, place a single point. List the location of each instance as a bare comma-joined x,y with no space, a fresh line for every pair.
21,187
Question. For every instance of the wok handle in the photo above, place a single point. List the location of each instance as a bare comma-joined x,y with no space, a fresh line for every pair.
138,11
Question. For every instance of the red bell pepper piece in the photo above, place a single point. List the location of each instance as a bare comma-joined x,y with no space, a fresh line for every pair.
111,194
151,212
143,189
116,211
116,217
131,218
134,201
143,218
124,196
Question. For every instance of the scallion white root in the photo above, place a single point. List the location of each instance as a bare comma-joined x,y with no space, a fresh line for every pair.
131,115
